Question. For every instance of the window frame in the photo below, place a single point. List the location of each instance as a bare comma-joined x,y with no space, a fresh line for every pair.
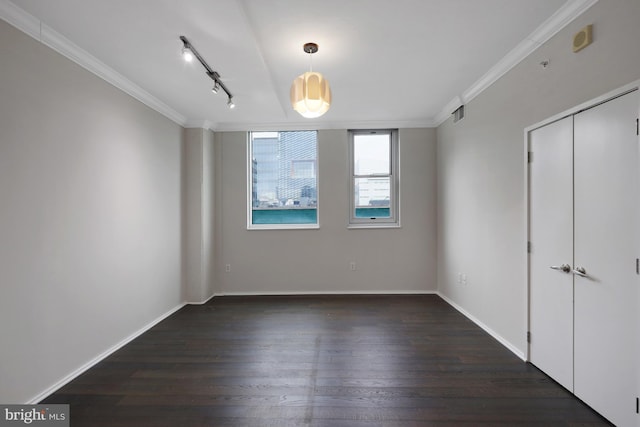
393,221
283,226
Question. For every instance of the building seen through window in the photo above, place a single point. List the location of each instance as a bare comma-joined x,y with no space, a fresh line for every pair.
283,178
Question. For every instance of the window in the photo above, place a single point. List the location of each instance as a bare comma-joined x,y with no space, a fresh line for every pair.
282,180
373,159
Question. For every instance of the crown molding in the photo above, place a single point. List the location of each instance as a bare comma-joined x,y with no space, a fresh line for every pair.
20,19
560,19
448,109
308,125
202,124
33,27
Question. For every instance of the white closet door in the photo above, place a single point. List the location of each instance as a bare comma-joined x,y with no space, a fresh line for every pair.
551,235
606,221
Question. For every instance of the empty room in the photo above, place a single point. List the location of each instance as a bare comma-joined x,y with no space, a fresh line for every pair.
300,213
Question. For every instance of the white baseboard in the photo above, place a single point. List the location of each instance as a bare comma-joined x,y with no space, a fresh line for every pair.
294,293
487,329
100,357
206,300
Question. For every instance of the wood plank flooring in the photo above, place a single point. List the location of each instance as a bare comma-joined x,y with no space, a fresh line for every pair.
351,361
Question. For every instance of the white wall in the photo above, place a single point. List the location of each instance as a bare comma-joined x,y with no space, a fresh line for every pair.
481,164
90,248
317,261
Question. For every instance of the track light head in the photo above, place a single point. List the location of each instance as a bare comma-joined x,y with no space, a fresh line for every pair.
187,54
216,87
230,103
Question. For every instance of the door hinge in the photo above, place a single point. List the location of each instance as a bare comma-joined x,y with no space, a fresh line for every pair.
637,127
528,247
529,337
529,156
637,405
638,266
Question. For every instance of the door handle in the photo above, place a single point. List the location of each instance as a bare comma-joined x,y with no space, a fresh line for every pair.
580,271
564,267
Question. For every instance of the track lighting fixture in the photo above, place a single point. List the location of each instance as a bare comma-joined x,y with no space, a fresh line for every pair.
189,52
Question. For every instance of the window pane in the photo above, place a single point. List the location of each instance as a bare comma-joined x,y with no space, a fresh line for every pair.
374,172
372,197
283,174
371,154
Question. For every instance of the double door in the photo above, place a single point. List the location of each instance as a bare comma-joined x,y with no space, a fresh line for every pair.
584,277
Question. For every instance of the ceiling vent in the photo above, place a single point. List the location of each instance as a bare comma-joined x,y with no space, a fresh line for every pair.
458,114
582,38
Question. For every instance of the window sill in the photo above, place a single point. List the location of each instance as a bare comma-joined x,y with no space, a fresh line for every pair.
283,227
368,226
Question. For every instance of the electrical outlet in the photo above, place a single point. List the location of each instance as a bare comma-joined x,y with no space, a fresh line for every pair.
227,268
352,266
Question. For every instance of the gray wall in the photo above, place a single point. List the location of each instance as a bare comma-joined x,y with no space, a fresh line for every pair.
317,261
198,215
481,164
90,248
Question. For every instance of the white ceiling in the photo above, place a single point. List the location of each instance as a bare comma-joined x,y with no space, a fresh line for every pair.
390,63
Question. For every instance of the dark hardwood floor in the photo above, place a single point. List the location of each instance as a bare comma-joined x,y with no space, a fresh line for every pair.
351,361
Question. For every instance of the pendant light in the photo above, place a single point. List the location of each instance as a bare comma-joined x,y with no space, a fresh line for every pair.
310,92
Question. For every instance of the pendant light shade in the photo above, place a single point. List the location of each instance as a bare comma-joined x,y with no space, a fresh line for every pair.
310,92
310,95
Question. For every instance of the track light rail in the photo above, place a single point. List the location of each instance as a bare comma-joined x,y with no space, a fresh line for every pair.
209,71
